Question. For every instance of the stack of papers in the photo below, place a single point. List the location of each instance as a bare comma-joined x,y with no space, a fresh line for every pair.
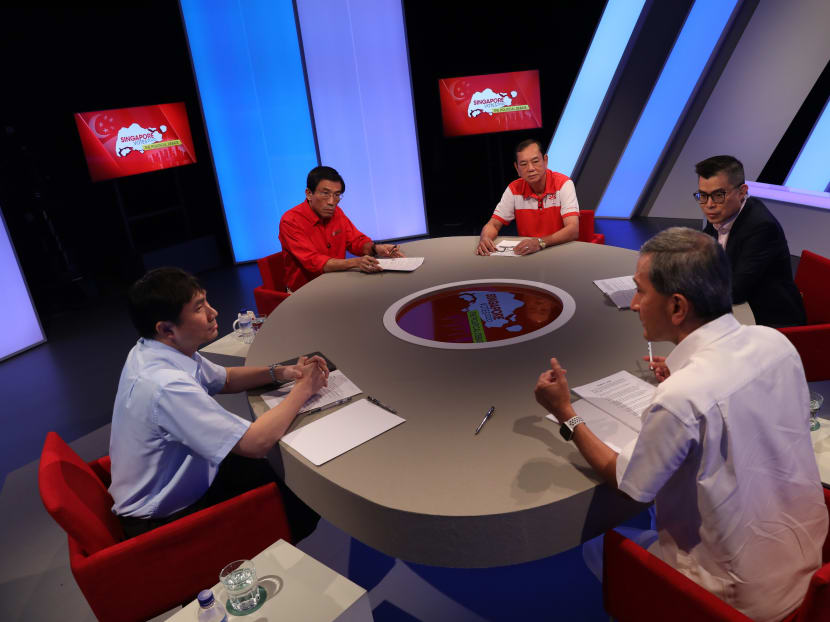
505,248
339,388
620,290
401,264
613,407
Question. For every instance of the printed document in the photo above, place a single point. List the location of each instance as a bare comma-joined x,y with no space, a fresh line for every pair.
401,264
505,248
339,387
610,431
620,290
340,431
621,395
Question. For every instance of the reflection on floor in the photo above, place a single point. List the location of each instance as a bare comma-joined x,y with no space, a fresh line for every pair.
68,385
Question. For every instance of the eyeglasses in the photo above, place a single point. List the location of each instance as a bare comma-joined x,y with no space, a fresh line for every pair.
718,196
326,194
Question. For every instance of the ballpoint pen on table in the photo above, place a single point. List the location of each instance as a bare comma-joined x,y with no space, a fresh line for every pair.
332,405
377,402
486,417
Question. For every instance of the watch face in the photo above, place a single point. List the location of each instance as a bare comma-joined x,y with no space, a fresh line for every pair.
566,432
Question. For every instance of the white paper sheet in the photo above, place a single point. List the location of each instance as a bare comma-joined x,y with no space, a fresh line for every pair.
401,264
505,249
621,395
337,433
620,290
339,387
610,431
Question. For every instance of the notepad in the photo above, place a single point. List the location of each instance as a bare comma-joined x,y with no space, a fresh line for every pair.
341,431
620,290
339,387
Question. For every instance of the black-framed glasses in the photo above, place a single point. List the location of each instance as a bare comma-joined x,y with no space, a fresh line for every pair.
718,196
327,194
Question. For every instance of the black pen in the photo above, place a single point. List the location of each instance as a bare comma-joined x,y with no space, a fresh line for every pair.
332,405
486,417
377,402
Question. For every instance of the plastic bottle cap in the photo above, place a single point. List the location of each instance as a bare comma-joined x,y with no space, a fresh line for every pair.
205,598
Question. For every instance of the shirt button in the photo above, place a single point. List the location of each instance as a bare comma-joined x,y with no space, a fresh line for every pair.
328,245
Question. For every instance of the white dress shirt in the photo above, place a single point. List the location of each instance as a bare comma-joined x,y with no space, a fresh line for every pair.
725,450
168,434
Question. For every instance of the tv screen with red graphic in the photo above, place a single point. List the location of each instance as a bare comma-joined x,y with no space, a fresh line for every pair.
496,102
128,141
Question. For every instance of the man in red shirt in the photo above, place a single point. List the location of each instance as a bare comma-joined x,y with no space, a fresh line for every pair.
316,234
542,202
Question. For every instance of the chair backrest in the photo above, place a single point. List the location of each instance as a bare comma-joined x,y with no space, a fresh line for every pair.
813,281
586,225
76,497
272,270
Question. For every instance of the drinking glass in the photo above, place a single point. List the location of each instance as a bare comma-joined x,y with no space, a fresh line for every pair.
239,578
816,400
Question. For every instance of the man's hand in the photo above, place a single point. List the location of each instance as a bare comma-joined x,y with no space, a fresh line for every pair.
388,250
366,263
659,367
527,246
485,246
293,372
552,391
312,377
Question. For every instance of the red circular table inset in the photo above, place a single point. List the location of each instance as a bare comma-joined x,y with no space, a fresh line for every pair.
479,314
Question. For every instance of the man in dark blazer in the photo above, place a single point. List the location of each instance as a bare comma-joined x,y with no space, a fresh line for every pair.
754,243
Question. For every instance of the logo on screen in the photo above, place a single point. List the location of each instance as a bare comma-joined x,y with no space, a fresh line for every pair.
493,103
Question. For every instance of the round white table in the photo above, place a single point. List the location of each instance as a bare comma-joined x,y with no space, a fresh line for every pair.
430,490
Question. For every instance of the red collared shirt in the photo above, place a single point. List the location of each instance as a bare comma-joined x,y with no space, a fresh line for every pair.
538,215
309,242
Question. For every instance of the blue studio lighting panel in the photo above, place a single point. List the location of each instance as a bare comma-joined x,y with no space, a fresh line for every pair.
811,170
696,42
259,116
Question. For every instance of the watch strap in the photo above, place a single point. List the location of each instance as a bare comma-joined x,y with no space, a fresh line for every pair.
568,426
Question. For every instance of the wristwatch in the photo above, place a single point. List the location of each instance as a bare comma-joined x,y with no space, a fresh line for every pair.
541,243
567,428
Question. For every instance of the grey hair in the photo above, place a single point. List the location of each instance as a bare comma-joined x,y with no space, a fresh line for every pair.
691,263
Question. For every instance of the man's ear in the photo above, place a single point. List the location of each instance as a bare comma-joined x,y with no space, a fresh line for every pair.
164,328
679,306
308,194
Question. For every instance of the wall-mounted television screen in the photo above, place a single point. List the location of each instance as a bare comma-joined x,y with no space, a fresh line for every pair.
128,141
496,102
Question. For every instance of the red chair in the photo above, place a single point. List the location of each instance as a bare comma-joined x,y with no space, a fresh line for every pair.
272,291
586,228
636,585
813,340
145,576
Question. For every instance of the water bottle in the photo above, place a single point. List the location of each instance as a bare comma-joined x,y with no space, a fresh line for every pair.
209,609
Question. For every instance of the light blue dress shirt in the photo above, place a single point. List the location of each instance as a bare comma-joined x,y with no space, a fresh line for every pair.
168,434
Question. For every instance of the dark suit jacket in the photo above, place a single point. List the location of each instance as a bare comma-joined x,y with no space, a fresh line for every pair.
761,268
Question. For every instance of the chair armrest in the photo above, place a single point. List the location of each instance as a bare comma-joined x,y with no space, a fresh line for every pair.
102,467
813,345
268,299
185,556
597,238
636,585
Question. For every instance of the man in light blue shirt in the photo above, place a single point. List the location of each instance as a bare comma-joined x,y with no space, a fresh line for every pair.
171,441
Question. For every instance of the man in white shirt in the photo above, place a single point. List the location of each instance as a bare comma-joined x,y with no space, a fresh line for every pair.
171,442
725,448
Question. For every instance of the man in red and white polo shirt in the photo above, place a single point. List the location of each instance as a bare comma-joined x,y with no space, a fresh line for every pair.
542,202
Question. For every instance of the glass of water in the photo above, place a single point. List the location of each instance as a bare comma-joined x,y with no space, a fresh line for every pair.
816,400
239,578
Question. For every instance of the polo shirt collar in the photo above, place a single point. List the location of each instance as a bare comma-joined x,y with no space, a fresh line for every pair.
312,216
171,355
700,338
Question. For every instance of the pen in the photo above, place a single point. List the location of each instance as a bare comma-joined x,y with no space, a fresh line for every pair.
486,417
377,402
333,404
650,357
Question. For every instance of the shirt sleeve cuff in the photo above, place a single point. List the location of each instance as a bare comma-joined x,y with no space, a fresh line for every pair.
500,219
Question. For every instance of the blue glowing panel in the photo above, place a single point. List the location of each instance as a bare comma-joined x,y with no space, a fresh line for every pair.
358,77
598,68
811,170
246,56
695,44
21,326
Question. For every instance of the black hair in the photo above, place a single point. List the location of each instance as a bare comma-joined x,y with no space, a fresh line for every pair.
723,163
159,296
524,145
320,173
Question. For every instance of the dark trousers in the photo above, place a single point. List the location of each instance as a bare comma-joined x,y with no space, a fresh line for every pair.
236,475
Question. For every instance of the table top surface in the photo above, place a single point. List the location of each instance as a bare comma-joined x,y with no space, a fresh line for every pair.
513,493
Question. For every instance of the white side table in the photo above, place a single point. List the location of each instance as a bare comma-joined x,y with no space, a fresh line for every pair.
299,588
